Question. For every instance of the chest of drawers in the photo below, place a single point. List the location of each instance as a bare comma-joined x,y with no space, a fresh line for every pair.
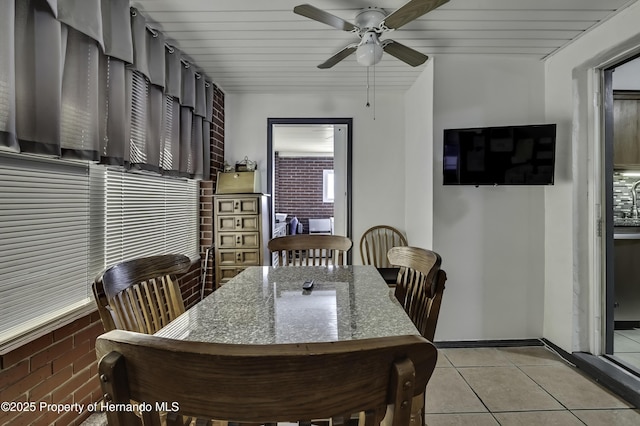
241,226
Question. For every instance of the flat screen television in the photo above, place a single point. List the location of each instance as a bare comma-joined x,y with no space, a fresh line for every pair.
509,155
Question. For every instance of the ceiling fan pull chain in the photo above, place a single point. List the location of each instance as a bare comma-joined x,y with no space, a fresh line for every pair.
374,91
367,104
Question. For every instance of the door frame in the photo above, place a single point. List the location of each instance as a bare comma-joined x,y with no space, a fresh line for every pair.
349,160
608,169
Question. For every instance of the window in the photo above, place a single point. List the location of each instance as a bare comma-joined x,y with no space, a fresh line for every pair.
45,255
63,222
148,215
328,186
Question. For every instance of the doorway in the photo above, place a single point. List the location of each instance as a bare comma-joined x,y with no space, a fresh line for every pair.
621,88
307,147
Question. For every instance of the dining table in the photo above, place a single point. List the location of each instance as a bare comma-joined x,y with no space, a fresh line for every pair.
268,305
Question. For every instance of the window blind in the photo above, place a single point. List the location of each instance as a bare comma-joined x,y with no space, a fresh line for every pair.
148,215
45,265
139,111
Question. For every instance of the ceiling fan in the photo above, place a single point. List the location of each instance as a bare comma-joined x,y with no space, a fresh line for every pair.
370,23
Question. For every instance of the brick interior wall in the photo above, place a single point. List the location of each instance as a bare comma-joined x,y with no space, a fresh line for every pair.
57,368
207,188
298,188
61,367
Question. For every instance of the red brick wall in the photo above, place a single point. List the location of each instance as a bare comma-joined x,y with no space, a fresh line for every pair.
61,366
299,188
57,368
207,188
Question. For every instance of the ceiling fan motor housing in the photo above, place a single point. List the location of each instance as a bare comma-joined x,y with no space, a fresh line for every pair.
370,18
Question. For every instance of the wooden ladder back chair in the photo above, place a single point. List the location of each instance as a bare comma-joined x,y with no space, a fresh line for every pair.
141,295
264,383
419,286
376,242
310,250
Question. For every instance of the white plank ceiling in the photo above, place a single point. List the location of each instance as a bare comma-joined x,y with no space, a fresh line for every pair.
261,46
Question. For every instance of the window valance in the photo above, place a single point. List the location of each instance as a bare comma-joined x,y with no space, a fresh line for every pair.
91,80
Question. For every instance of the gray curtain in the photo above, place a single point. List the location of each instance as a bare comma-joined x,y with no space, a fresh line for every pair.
173,73
84,16
79,129
38,84
88,79
206,150
185,164
8,140
115,110
196,151
171,146
116,29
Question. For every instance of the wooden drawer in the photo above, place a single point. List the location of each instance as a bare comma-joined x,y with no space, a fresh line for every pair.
238,240
237,206
238,223
228,272
238,257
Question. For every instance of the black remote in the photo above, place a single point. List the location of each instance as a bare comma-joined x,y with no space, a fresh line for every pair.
307,285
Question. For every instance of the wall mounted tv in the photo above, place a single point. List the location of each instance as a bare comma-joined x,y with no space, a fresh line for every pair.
510,155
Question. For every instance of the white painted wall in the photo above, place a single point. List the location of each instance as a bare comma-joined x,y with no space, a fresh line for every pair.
419,160
490,238
572,305
378,145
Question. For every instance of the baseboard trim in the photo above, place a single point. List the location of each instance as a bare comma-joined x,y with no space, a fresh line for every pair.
607,373
487,343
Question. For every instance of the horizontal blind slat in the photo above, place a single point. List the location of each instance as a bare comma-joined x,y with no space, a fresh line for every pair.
149,215
45,233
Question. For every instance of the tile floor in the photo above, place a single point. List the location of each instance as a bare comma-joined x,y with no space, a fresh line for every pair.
513,386
626,346
518,386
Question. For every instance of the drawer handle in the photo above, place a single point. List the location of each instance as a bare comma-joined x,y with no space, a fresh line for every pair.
238,222
238,239
239,256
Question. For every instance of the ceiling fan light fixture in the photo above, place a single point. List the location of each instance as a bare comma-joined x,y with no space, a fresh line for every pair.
369,52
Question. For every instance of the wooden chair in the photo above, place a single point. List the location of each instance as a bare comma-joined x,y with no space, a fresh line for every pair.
264,383
419,286
142,294
297,250
376,242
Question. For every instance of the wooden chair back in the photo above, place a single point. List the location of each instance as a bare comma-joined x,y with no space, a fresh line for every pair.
419,286
141,294
376,242
264,383
310,250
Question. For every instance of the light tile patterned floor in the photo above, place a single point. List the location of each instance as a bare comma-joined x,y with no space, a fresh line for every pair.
518,386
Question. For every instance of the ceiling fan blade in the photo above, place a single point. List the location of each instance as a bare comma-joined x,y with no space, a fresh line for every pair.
404,53
410,11
339,56
319,15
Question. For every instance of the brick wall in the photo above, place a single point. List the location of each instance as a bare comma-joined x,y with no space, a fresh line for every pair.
299,188
207,188
61,367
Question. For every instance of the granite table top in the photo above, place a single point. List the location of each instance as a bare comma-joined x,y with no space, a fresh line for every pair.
267,305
